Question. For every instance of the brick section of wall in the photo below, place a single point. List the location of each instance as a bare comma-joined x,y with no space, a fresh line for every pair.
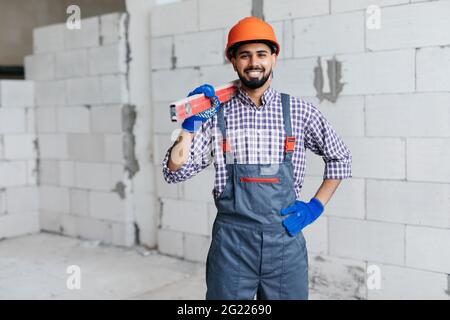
19,199
81,91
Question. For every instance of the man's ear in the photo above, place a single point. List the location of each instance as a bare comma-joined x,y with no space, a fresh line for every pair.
274,60
233,62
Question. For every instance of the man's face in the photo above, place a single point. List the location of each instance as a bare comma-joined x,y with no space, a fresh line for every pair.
253,63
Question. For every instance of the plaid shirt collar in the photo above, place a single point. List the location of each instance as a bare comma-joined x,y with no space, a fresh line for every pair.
266,98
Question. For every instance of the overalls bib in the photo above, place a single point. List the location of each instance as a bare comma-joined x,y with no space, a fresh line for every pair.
251,253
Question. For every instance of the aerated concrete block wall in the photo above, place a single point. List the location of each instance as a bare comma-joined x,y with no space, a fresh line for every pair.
84,125
385,90
19,201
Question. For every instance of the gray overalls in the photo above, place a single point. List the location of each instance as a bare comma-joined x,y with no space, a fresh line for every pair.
251,252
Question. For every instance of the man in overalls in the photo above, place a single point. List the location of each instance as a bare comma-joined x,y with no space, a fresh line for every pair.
258,141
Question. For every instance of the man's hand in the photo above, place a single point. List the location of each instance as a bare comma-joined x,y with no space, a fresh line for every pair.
193,123
301,215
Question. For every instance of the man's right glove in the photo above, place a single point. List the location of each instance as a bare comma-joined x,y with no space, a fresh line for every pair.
193,123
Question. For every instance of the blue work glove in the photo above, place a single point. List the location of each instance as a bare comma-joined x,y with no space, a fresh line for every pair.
193,123
301,215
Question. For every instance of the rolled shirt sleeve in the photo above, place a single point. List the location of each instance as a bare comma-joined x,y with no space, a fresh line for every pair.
323,140
200,156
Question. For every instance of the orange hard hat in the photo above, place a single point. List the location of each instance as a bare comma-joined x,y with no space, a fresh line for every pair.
248,30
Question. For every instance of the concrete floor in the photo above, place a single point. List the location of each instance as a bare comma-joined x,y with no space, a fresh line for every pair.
35,267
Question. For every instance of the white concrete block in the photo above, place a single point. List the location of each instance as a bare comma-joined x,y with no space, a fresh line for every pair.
217,75
16,93
348,200
315,164
108,59
407,115
161,147
187,216
87,36
161,112
162,50
351,5
432,69
52,146
88,228
410,203
412,26
67,173
13,173
12,120
2,202
378,72
340,33
48,172
230,13
86,147
32,172
113,27
336,278
50,221
123,234
114,89
46,120
73,63
338,113
117,174
30,119
20,146
106,119
383,158
400,283
182,82
114,148
54,199
73,119
199,187
107,206
200,48
18,224
316,235
89,175
79,202
287,45
170,242
368,240
196,247
164,189
50,93
427,248
428,160
22,200
185,13
295,77
288,9
40,66
145,206
49,38
84,91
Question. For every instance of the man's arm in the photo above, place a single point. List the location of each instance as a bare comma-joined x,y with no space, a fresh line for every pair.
180,151
326,190
189,155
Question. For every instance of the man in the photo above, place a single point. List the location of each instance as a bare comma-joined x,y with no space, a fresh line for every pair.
258,141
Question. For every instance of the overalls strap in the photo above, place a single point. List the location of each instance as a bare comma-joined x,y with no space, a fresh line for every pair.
289,144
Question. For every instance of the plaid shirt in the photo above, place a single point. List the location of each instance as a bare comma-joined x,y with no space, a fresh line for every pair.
257,135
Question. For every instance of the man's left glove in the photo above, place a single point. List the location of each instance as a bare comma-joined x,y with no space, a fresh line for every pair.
301,215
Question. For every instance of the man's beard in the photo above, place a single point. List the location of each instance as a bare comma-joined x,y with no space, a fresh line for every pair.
254,83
